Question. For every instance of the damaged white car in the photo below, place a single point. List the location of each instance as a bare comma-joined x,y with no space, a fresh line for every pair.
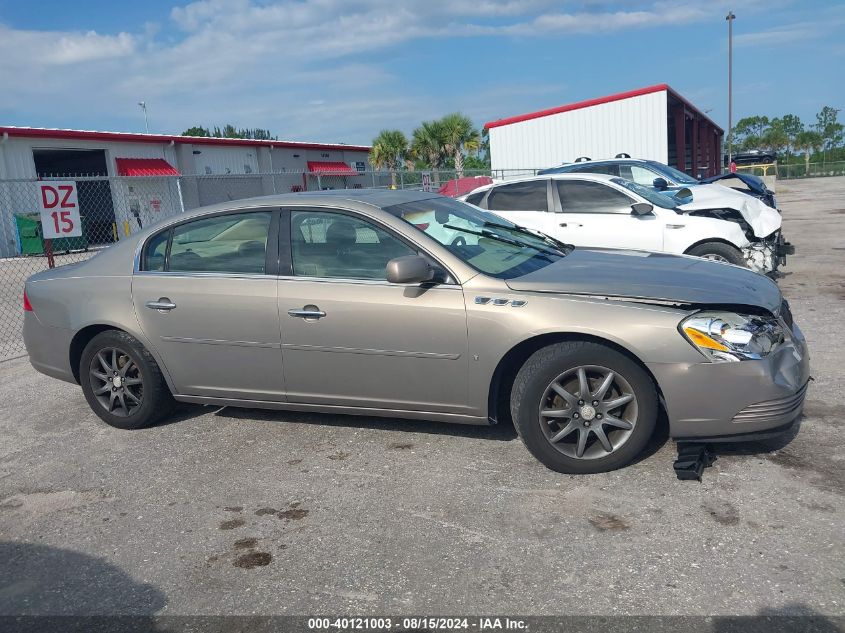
603,211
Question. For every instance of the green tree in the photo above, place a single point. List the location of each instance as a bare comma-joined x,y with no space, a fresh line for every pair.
428,145
808,141
792,126
460,136
748,130
197,130
829,127
775,137
389,150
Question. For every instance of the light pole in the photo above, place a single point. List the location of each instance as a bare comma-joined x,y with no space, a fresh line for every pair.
730,18
143,105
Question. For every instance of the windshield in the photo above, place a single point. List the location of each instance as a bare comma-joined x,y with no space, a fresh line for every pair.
645,192
485,241
675,174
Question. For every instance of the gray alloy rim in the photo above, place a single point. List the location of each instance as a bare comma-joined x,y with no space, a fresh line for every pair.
116,381
588,412
713,257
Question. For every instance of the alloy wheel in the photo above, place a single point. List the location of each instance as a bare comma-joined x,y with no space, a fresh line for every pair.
588,412
116,381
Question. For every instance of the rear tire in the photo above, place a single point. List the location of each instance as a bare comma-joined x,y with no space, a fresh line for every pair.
618,410
122,382
719,252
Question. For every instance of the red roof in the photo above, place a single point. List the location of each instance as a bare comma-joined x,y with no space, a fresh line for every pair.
594,102
330,168
92,135
461,186
145,167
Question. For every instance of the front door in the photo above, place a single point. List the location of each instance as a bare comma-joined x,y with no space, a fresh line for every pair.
351,338
206,298
594,214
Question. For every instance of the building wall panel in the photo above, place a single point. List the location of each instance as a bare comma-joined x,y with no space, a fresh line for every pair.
636,125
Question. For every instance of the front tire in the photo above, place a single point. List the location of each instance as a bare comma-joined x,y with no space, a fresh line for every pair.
582,407
122,382
720,252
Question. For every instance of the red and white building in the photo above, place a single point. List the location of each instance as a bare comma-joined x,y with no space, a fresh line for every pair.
126,181
654,123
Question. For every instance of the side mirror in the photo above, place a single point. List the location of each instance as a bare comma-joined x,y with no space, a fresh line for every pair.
641,208
660,184
686,192
410,269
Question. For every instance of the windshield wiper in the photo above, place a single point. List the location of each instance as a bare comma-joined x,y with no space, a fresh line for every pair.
567,248
499,238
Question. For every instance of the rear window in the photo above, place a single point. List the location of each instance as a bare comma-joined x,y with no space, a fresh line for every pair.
519,196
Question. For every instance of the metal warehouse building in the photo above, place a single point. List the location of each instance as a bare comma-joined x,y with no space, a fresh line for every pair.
126,181
654,123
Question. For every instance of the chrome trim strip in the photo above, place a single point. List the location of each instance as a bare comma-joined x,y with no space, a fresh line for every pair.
370,352
365,282
211,341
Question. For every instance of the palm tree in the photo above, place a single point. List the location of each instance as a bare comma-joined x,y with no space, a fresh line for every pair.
808,141
428,143
389,150
460,136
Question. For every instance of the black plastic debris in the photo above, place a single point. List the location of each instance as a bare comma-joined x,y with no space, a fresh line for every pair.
692,459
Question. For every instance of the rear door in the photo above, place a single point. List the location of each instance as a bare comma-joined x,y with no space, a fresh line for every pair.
206,298
527,203
596,214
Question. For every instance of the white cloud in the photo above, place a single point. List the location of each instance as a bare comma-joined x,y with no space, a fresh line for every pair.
295,67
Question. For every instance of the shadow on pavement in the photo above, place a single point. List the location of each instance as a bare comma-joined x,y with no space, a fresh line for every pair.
43,580
501,431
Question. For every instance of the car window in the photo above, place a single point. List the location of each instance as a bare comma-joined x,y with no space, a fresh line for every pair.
475,198
611,170
231,243
156,251
519,196
638,174
338,245
584,196
491,244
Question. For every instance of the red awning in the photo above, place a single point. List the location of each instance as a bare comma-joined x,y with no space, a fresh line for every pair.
145,167
326,168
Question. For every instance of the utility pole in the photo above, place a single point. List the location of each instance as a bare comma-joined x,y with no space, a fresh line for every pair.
730,18
143,105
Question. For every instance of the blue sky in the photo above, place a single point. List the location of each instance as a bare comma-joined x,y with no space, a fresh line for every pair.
339,71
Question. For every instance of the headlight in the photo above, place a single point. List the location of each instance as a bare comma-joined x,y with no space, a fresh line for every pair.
727,336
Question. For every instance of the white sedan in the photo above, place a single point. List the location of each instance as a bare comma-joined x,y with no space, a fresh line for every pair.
603,211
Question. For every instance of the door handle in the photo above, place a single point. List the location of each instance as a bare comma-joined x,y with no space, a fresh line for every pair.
563,225
162,305
308,312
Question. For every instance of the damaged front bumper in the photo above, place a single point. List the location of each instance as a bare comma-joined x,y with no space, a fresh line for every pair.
768,254
739,400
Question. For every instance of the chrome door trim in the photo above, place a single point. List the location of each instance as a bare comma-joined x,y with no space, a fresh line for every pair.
368,351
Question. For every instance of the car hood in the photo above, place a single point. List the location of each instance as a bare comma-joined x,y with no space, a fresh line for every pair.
753,183
652,276
762,219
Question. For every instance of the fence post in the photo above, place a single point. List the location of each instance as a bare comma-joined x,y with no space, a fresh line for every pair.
319,182
402,179
179,191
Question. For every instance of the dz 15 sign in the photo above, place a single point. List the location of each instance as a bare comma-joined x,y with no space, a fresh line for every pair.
59,209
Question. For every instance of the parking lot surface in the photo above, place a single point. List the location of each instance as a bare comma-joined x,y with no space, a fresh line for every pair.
257,512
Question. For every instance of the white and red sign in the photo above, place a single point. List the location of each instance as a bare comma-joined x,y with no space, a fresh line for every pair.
426,181
59,209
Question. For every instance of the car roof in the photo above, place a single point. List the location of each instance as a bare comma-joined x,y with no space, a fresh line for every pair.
373,197
605,161
564,176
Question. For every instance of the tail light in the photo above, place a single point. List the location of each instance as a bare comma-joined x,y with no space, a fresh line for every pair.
27,306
